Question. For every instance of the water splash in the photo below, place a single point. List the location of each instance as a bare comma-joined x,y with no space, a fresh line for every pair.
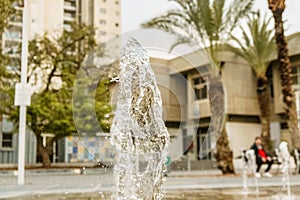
285,155
138,130
249,166
245,173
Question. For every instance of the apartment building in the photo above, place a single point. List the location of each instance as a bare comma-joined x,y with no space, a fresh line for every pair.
52,16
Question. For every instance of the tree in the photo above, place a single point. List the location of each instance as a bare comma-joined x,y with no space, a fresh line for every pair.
7,11
53,67
277,7
207,22
257,47
90,102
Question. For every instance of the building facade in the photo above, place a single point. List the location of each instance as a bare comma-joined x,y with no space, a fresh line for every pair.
242,123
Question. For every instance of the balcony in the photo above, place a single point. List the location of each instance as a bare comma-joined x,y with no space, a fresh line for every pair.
70,7
69,19
11,53
67,27
17,24
13,36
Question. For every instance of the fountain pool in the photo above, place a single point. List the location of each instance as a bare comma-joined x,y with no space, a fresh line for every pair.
266,193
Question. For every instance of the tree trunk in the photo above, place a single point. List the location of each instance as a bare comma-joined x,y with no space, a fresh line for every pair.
44,152
224,154
263,95
277,7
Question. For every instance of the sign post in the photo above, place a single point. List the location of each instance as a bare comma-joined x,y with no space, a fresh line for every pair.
22,97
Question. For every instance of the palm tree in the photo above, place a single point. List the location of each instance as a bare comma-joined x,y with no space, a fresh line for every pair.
277,7
207,22
257,47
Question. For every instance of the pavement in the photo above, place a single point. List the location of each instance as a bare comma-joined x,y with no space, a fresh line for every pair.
39,182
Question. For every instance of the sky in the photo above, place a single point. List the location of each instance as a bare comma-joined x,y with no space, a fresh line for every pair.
134,12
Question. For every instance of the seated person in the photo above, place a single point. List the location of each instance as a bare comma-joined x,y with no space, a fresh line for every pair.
261,157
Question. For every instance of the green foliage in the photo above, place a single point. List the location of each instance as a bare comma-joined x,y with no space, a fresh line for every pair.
257,45
91,108
197,22
53,67
7,77
7,10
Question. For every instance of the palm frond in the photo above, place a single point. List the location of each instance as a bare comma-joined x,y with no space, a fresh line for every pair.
206,22
257,45
237,10
179,41
218,16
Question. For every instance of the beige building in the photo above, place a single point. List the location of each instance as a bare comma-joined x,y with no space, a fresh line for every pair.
187,106
185,93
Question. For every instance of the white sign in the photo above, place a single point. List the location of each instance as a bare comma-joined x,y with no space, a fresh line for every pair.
22,94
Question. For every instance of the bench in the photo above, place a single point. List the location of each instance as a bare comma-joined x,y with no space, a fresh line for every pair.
277,159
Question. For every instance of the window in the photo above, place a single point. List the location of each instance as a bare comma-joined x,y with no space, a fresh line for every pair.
12,68
200,88
203,143
187,142
70,3
16,18
295,75
102,10
69,14
102,22
68,27
117,2
7,140
117,24
13,34
117,13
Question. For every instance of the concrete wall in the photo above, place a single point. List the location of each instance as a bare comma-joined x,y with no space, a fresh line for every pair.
176,146
240,89
172,88
239,83
189,61
241,135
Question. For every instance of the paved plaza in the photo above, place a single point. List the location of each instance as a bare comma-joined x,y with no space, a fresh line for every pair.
42,182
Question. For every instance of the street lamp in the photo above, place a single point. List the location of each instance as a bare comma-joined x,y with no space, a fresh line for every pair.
22,96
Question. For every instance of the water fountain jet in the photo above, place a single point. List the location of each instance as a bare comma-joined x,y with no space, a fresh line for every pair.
285,155
249,166
138,130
